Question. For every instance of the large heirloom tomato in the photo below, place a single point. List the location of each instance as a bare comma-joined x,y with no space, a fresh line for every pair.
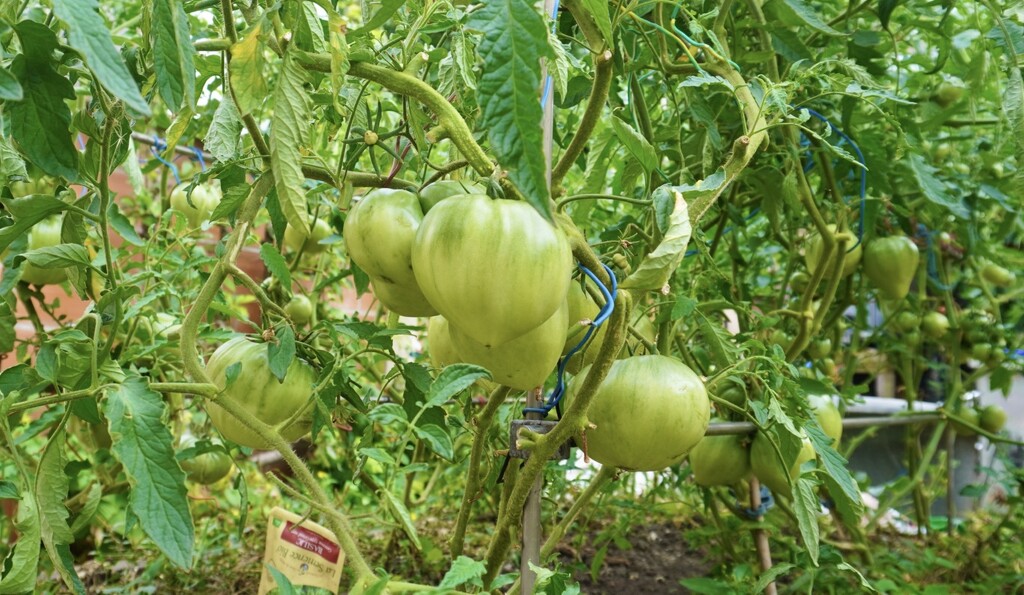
259,392
583,307
522,363
649,412
379,233
438,191
200,205
891,263
309,244
767,468
439,343
720,460
44,234
494,268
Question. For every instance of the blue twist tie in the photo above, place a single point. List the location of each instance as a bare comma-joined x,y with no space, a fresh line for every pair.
199,158
767,502
158,145
555,399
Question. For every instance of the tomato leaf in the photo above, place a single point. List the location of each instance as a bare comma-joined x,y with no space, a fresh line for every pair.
246,70
8,490
438,439
144,445
464,570
598,10
24,561
10,88
387,8
57,257
291,112
276,264
841,485
658,266
122,225
281,352
453,380
401,514
89,35
636,144
772,575
52,484
933,187
806,507
12,166
223,138
514,41
41,122
810,16
173,54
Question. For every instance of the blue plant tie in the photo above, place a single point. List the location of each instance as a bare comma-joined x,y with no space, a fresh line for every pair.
609,295
199,158
546,94
159,145
767,502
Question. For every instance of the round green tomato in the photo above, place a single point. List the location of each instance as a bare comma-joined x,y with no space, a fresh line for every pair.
935,325
890,264
257,390
997,275
770,471
39,185
197,208
310,244
816,249
494,268
992,418
733,390
438,191
947,93
820,348
981,351
633,346
207,468
720,460
829,418
799,281
781,338
907,321
299,309
969,415
649,412
44,234
522,363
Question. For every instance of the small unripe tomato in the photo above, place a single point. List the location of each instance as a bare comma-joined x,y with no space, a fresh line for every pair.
44,234
204,200
299,309
294,239
935,325
207,468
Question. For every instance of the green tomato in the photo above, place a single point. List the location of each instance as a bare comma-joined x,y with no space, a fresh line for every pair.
299,309
992,418
828,416
39,185
310,244
935,325
440,348
438,191
379,233
997,275
799,281
258,391
522,363
907,321
720,460
494,268
820,348
770,471
649,412
947,93
981,351
969,415
204,200
816,249
207,468
733,390
890,264
44,234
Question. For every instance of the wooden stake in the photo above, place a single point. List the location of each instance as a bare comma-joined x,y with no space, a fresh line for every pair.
764,553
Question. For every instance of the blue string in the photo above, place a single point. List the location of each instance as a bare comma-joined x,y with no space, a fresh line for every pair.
199,158
546,94
555,398
767,502
158,145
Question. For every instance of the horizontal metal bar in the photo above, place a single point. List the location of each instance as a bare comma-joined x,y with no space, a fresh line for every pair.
728,428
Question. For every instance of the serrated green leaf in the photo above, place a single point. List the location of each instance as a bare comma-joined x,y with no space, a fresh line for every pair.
841,485
704,79
59,256
246,70
806,507
52,484
122,225
224,135
453,380
41,121
338,47
933,187
598,10
88,34
8,490
438,440
291,114
514,41
1013,107
12,166
284,586
658,266
173,55
281,351
771,576
636,144
464,570
24,560
379,455
144,446
387,8
10,88
276,264
401,514
811,17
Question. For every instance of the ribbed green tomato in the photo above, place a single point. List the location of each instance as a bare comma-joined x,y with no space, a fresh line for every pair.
310,244
44,234
494,268
816,249
583,307
438,191
439,343
720,460
524,362
197,208
257,390
890,264
207,468
379,233
769,471
649,412
935,325
829,418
